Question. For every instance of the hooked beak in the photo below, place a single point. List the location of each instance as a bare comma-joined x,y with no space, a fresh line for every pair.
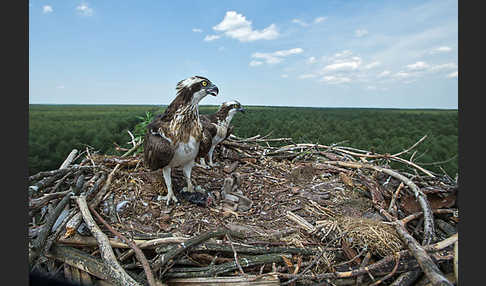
212,90
242,110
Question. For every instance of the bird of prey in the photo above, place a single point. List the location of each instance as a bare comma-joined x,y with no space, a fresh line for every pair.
172,139
216,128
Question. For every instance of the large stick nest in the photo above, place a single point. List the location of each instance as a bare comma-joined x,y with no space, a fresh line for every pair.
293,196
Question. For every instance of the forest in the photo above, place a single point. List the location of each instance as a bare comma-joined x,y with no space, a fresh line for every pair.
54,130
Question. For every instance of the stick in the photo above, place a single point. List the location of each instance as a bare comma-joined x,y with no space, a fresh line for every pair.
382,266
116,274
235,255
180,248
429,229
69,159
425,262
389,274
40,242
138,253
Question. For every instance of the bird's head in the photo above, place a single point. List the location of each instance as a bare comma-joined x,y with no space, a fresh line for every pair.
195,88
232,107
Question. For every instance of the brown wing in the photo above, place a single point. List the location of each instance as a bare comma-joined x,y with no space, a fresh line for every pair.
209,131
229,131
157,151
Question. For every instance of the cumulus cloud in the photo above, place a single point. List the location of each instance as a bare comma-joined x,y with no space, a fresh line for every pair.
443,49
441,67
255,63
300,22
344,65
311,60
84,9
319,20
335,79
402,75
453,75
418,66
197,30
360,33
275,57
384,73
47,9
372,65
236,26
308,75
210,38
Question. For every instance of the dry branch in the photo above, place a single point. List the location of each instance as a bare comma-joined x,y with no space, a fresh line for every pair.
140,256
116,274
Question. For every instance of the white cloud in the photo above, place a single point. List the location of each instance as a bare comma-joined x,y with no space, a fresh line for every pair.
47,9
60,86
284,76
418,66
384,73
346,65
236,26
209,38
311,60
84,9
372,65
309,75
255,63
443,49
447,66
402,75
276,57
360,33
197,30
335,79
319,19
300,22
453,75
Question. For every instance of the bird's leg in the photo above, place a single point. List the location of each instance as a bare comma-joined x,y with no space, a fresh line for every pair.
168,182
186,169
210,154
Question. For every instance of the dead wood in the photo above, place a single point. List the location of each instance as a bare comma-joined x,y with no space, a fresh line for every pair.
116,274
426,263
69,159
140,256
307,215
40,242
180,248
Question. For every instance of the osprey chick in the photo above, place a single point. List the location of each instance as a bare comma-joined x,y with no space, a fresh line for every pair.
173,138
216,128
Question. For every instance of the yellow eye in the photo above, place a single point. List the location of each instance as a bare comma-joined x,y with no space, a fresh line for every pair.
204,83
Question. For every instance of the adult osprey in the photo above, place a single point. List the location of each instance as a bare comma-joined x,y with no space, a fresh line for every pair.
173,138
216,128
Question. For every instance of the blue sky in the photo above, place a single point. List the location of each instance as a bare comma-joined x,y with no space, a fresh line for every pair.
382,53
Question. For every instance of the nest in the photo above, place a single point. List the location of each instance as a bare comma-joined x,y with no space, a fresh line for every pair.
273,212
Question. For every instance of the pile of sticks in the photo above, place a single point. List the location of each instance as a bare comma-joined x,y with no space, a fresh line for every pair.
69,238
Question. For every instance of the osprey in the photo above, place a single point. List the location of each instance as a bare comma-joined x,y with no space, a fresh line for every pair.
172,139
216,128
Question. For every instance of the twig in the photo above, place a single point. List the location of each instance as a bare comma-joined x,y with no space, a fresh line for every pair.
389,274
429,229
235,255
69,159
40,242
138,253
180,248
428,266
394,197
116,273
